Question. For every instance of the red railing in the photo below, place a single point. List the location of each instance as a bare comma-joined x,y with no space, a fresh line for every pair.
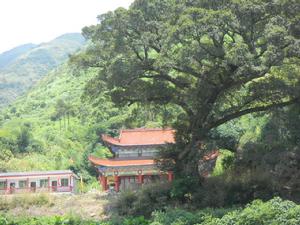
13,190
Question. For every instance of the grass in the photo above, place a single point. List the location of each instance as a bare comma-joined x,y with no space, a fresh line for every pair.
24,201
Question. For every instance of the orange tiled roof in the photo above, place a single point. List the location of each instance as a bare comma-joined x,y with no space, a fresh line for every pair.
212,155
118,162
142,136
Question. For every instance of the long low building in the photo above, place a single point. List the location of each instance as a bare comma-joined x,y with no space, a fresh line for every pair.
37,181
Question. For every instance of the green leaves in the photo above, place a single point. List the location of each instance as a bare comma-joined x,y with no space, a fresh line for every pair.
216,60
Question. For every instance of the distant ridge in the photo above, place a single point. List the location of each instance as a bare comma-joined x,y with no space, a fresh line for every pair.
10,55
23,66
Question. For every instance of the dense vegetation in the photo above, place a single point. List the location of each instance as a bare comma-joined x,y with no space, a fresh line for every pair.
11,55
224,74
23,66
215,60
275,211
52,128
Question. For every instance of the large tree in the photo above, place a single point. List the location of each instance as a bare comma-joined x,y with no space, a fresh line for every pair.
216,60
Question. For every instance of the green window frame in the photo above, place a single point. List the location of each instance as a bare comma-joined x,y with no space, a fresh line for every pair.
22,183
44,183
3,185
64,182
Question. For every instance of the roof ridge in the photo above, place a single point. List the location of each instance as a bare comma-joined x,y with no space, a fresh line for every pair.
146,129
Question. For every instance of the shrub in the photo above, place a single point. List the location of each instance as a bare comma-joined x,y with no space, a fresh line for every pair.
275,211
24,201
54,220
143,201
176,217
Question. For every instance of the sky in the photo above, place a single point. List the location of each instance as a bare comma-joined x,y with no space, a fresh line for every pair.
37,21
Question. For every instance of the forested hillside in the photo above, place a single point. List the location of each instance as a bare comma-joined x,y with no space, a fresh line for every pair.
23,66
49,127
223,74
10,55
54,127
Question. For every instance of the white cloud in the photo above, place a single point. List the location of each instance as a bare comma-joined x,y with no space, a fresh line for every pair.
35,21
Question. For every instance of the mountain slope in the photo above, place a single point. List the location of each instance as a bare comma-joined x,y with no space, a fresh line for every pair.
52,140
25,70
9,56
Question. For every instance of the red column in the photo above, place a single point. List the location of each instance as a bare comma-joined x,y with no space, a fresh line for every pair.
103,182
28,185
70,184
116,183
140,179
170,176
7,189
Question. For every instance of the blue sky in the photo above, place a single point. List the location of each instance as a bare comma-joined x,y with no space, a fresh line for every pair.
36,21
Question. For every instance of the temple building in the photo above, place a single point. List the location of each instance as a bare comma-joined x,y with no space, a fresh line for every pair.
133,162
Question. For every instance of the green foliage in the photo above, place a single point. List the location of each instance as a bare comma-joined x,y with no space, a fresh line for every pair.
275,211
144,201
27,65
135,221
54,220
225,161
176,217
24,201
215,61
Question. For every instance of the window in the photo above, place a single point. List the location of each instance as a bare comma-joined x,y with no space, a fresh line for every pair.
22,184
44,183
3,184
64,182
140,152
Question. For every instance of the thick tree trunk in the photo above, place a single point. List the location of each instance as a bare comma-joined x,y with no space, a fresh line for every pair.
191,153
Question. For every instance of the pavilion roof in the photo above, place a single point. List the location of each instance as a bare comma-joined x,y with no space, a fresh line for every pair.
120,162
141,136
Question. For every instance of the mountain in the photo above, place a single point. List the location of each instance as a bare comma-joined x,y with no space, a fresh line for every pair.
23,66
9,56
53,127
50,127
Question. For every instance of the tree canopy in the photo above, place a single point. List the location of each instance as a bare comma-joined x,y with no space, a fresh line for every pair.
216,60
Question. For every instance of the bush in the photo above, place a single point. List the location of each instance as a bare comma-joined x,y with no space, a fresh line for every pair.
54,220
24,201
275,211
143,201
234,189
176,217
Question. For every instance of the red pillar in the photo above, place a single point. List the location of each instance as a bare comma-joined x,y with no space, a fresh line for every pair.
103,182
140,179
116,183
48,183
28,184
70,184
7,188
170,176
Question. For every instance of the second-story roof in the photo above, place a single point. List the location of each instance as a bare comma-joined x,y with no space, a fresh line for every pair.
142,136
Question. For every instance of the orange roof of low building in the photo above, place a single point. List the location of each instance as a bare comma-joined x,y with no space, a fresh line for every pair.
142,136
212,155
120,162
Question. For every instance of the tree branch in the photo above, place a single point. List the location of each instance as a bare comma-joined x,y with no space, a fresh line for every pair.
252,110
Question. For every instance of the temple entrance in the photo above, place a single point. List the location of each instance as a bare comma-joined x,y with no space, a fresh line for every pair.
128,183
